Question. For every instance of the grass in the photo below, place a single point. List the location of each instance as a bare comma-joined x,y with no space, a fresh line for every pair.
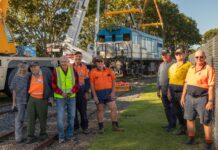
142,121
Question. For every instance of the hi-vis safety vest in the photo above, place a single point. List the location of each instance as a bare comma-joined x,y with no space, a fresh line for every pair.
36,87
65,82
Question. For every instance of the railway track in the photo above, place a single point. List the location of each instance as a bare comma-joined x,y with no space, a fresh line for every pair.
3,109
5,105
11,132
52,140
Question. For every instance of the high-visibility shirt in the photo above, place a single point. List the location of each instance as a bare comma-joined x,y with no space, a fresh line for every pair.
65,81
36,87
102,79
83,73
198,82
177,74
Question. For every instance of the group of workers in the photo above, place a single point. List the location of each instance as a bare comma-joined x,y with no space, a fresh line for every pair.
187,91
70,86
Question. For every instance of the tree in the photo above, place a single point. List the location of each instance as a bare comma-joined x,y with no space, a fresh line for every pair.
38,22
179,30
209,34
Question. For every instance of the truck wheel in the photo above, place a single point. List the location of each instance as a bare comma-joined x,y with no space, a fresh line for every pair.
9,79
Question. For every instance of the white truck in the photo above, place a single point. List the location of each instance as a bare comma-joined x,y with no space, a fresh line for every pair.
8,60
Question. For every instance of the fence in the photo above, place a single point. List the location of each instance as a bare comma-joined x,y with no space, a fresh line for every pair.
211,50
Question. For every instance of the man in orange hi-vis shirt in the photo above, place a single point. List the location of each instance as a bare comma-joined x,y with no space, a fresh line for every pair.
102,81
40,91
82,95
198,98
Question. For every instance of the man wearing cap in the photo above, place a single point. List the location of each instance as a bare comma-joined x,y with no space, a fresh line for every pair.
40,91
83,94
162,89
198,98
102,81
176,74
65,83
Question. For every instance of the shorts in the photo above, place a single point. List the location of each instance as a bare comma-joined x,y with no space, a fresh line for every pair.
196,106
104,96
105,101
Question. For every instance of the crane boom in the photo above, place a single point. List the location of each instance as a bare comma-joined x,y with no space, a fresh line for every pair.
71,41
77,21
6,38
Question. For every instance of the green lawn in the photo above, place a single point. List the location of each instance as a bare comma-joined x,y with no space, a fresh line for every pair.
142,121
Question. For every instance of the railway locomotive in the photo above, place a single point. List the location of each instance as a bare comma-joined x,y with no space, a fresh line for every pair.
128,51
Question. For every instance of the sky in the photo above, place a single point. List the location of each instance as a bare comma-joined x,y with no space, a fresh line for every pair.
204,12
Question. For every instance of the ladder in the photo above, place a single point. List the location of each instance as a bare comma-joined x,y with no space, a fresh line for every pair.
77,21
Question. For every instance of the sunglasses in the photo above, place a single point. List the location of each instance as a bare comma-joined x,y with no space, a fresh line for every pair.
178,54
199,57
99,61
164,54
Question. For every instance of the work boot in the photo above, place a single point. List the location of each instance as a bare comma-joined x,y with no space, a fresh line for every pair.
170,129
85,131
115,127
20,141
60,141
207,146
101,128
30,139
182,131
43,137
190,141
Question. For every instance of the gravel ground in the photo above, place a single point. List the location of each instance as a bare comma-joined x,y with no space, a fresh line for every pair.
7,124
124,99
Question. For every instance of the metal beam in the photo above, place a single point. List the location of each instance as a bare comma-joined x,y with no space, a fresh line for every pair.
152,24
118,12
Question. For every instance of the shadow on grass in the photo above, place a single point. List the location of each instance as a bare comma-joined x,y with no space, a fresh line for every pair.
142,121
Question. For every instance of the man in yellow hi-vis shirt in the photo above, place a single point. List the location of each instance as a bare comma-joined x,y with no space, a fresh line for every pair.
177,73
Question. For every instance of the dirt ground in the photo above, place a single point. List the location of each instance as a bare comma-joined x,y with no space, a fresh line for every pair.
124,99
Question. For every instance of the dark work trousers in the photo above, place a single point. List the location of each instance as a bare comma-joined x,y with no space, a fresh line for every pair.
81,107
36,108
171,118
177,108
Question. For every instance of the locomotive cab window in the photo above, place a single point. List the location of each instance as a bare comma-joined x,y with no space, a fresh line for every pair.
113,37
126,37
159,45
101,38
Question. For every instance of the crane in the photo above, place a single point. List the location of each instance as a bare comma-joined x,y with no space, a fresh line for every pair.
71,41
6,39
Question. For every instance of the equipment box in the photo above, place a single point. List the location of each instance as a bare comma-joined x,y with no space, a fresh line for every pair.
122,86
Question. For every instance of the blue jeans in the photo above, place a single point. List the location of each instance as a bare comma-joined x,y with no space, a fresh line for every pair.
70,104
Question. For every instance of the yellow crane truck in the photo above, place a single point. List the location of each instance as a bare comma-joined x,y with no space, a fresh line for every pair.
8,60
